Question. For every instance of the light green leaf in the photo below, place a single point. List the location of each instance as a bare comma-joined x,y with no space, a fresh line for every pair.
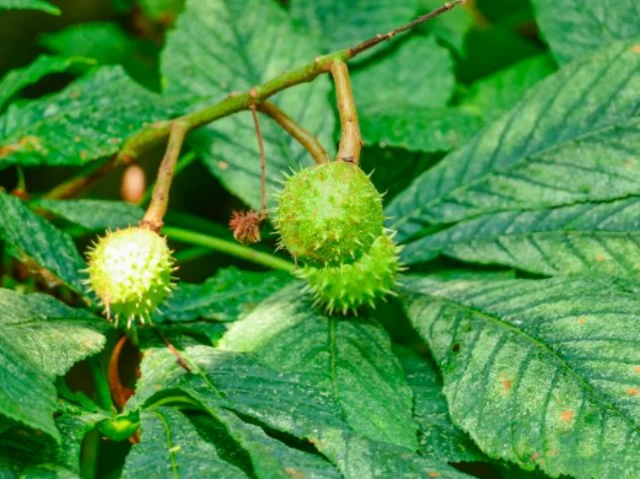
342,24
543,373
350,358
86,121
221,46
235,381
170,447
29,5
27,394
401,97
34,239
438,437
93,214
495,94
14,81
108,44
360,458
574,138
227,296
599,238
53,335
574,29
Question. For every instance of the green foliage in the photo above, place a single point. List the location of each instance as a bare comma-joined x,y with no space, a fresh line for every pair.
108,44
512,174
14,81
37,242
579,123
208,38
29,5
574,30
530,369
86,121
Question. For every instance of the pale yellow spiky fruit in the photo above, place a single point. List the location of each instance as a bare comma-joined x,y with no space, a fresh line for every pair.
131,272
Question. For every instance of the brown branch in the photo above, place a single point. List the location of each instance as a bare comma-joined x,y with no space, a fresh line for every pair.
303,136
183,364
160,198
263,161
158,132
350,139
382,37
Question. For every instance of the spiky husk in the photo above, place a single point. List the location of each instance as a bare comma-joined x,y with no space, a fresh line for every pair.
130,271
329,214
347,287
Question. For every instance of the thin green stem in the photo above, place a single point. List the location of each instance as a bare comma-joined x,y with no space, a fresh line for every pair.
228,247
103,392
303,136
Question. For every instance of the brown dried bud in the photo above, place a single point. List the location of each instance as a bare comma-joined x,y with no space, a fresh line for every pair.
246,226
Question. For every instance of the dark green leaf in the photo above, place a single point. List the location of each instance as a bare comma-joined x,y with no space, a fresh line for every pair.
269,457
32,239
171,448
235,381
438,437
494,95
49,332
574,138
94,214
342,24
88,120
360,458
29,5
539,372
584,238
420,129
27,394
227,296
450,28
392,169
576,29
108,44
350,358
401,97
221,46
14,81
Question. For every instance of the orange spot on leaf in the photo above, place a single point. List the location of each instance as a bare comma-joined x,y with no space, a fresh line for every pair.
582,320
633,391
223,165
535,456
600,257
636,48
636,369
506,384
566,416
434,474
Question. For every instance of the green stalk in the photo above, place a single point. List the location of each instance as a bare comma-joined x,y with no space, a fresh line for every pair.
228,247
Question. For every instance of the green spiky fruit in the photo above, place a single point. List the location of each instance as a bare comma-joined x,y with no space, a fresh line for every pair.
329,214
346,287
130,271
